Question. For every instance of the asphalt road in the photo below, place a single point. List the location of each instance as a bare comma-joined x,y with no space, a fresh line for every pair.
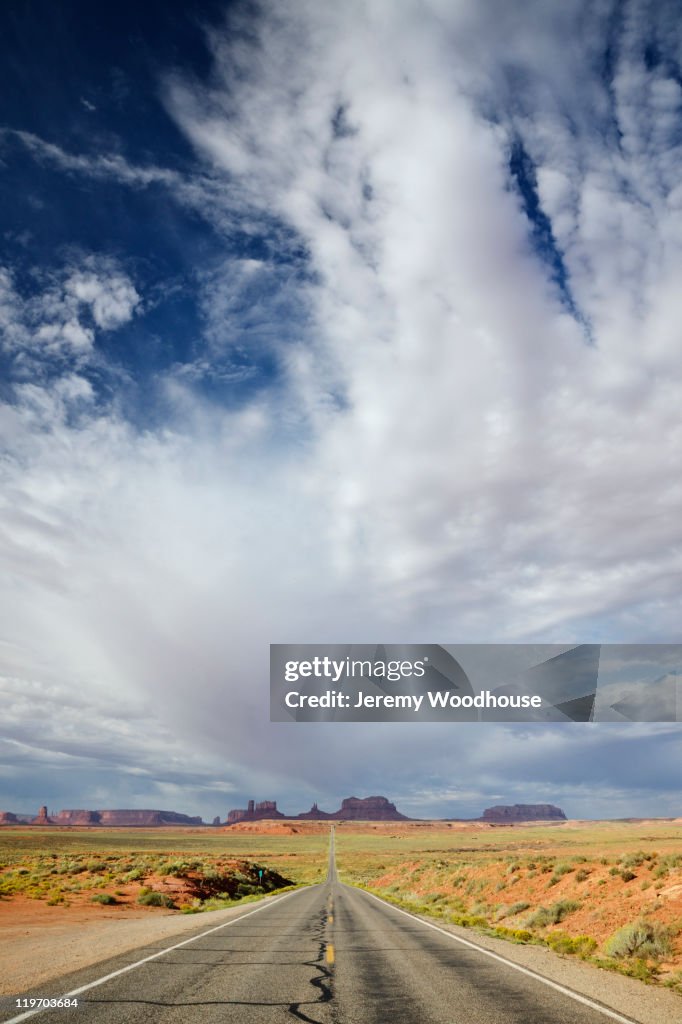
328,954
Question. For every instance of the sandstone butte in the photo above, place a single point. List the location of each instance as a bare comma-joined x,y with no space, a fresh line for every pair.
371,808
353,808
524,812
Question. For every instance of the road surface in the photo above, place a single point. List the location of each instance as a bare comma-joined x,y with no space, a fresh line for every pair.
327,954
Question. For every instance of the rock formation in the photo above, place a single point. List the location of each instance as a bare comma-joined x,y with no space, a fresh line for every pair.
77,818
315,814
42,818
255,812
371,808
524,812
125,818
146,818
7,818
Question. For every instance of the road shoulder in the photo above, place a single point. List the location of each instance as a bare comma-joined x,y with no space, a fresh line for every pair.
37,957
645,1004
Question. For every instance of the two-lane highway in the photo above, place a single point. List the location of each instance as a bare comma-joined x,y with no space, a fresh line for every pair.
327,954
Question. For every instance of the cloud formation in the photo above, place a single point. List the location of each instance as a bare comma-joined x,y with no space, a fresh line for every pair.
466,305
60,318
476,430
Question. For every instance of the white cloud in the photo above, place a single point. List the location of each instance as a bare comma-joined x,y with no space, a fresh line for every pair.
49,322
484,459
200,192
447,455
112,166
111,297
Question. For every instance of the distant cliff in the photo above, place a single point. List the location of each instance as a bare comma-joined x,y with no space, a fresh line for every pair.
255,812
524,812
353,808
371,808
110,819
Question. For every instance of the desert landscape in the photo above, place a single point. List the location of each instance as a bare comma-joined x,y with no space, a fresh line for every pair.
607,892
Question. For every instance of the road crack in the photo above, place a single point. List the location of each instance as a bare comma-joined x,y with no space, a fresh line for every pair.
322,977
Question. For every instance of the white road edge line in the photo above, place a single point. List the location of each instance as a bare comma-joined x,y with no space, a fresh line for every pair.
508,963
154,956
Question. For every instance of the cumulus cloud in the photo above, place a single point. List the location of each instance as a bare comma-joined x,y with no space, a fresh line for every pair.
112,298
60,319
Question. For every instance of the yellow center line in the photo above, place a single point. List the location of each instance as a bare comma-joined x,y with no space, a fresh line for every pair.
331,919
330,953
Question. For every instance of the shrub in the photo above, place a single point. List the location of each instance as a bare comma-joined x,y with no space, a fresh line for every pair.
639,939
545,916
469,921
155,899
559,871
627,876
104,898
433,897
515,934
540,918
580,945
512,911
582,875
634,860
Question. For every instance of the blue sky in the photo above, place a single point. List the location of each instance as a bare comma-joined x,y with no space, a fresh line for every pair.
323,323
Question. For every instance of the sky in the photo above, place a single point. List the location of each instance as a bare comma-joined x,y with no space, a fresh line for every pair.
332,323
